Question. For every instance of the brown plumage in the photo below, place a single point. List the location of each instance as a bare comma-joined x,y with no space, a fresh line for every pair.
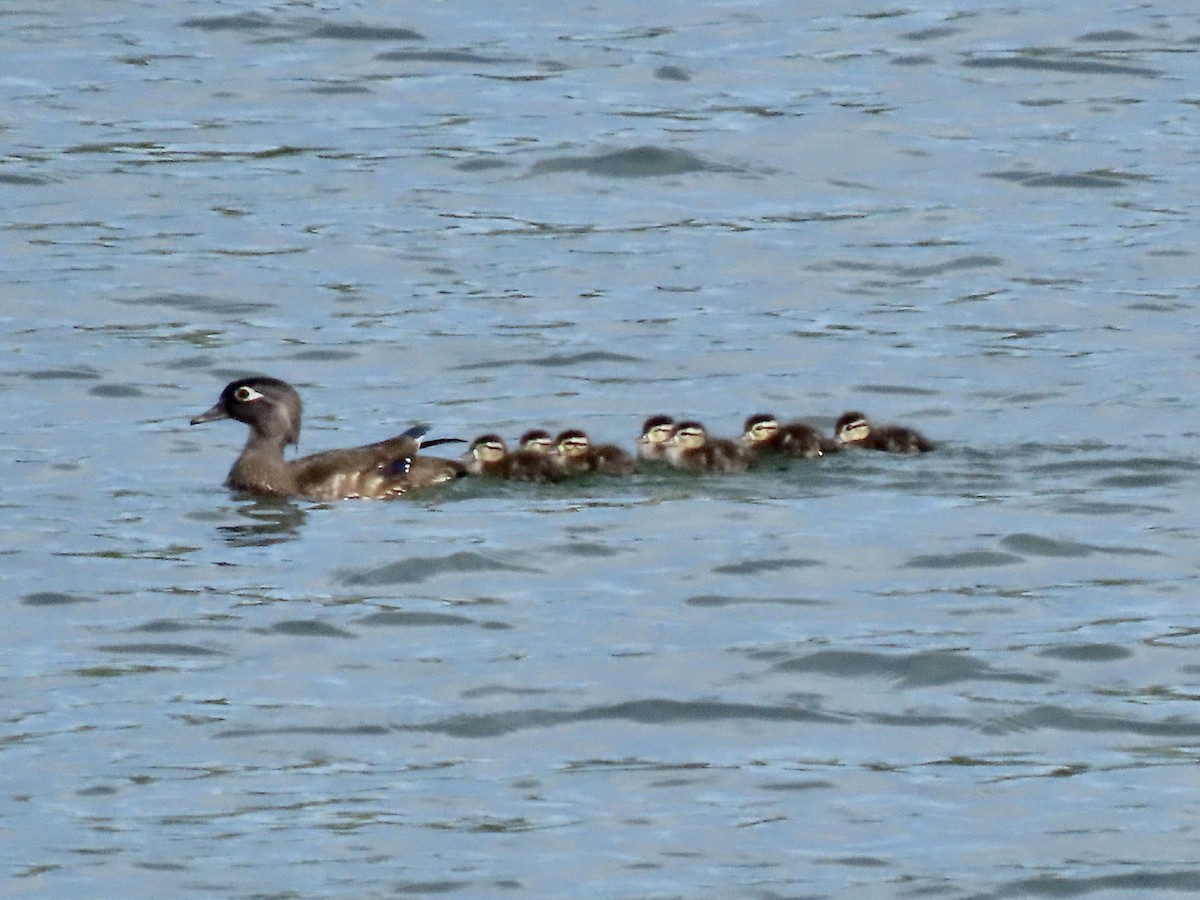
764,435
693,450
490,457
577,455
853,429
272,410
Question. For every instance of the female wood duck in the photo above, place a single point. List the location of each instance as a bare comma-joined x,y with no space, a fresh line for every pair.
536,440
693,450
853,429
489,457
272,408
652,443
763,435
577,455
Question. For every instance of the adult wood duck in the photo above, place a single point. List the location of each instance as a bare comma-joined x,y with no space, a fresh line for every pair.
577,455
853,429
652,442
763,434
272,409
490,457
692,449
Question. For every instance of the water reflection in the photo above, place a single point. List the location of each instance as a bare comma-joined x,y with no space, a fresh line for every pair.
272,520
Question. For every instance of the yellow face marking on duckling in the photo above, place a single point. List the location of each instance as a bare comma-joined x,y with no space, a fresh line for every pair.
488,451
245,394
689,438
659,434
574,446
762,431
858,430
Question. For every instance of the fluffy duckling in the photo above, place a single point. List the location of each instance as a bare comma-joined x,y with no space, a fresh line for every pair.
272,409
536,440
853,429
656,433
763,435
692,449
490,457
578,456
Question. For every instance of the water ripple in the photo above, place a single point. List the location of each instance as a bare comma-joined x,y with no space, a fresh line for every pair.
644,712
638,162
912,670
420,568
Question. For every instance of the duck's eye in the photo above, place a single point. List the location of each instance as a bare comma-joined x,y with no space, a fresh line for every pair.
245,394
659,433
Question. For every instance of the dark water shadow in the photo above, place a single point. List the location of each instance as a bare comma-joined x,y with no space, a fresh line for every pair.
637,162
643,712
1128,883
909,670
419,568
271,521
1051,60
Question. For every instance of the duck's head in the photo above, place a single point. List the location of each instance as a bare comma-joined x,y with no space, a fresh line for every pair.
573,444
759,429
537,441
689,436
657,430
269,406
489,448
851,427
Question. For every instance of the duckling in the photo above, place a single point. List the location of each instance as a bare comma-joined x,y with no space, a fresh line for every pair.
578,456
490,457
692,449
763,435
536,440
652,443
272,409
853,429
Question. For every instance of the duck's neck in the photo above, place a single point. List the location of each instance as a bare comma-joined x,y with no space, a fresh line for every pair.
261,467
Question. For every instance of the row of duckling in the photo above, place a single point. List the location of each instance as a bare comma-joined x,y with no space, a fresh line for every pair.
390,468
684,445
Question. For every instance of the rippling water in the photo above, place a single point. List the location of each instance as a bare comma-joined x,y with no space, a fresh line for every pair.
967,674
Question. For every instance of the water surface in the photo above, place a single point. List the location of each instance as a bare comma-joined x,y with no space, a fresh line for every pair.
966,674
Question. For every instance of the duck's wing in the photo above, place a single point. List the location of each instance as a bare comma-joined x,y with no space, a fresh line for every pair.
378,470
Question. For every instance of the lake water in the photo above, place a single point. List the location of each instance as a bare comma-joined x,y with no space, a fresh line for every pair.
968,674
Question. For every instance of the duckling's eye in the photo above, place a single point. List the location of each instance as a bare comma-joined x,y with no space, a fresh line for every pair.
245,394
659,432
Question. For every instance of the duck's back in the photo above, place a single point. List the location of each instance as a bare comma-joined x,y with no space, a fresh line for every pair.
377,471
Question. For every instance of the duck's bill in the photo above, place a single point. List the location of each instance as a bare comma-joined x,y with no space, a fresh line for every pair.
211,416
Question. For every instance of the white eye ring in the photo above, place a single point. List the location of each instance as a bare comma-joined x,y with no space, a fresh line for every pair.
245,394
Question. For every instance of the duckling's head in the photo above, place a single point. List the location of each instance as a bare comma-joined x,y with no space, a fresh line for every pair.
852,427
537,441
573,443
489,448
759,429
269,406
689,436
657,430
